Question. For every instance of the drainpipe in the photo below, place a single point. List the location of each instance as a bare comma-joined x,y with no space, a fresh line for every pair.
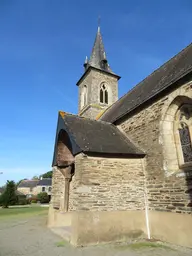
146,202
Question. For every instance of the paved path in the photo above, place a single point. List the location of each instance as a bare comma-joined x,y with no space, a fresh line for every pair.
30,237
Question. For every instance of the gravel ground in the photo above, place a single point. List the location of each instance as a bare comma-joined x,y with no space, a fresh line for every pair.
30,237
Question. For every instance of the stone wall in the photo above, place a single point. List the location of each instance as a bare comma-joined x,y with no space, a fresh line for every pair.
168,191
91,111
106,184
58,184
39,189
93,81
27,190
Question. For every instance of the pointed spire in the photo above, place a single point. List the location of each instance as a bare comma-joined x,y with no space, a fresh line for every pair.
98,57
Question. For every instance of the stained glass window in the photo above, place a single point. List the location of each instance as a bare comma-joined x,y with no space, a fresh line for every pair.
186,143
184,132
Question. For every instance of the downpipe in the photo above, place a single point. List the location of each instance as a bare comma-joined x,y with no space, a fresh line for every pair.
146,203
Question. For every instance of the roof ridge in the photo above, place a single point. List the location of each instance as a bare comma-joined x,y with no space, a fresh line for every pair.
169,78
157,69
86,118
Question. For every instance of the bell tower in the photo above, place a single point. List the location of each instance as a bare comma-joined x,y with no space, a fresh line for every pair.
98,86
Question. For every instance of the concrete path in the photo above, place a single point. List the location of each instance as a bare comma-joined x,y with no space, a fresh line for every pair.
30,237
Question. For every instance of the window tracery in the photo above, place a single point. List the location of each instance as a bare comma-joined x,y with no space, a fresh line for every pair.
185,132
103,94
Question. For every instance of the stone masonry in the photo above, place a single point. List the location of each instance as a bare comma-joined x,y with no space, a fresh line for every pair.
93,79
58,185
107,184
167,190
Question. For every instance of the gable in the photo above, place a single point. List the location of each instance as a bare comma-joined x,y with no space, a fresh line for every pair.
91,136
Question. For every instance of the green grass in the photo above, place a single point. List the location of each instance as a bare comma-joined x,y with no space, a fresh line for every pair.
24,211
62,243
142,245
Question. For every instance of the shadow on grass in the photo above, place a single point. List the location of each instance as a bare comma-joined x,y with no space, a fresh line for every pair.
142,245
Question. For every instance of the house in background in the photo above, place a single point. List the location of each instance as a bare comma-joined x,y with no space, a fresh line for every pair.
28,187
33,187
44,185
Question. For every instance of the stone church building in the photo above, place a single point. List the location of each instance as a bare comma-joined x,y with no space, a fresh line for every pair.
122,168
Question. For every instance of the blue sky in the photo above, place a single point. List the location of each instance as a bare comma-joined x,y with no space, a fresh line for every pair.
42,48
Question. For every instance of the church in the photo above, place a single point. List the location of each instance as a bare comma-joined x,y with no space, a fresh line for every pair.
122,168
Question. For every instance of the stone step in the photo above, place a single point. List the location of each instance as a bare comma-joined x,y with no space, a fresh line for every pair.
64,232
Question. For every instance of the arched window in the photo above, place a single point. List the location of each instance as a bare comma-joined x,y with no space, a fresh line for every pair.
84,96
103,94
184,118
176,135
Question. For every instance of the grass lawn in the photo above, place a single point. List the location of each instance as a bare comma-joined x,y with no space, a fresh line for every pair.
143,245
23,211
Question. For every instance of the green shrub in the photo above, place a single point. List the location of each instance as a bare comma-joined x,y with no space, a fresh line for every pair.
34,201
22,201
43,197
1,200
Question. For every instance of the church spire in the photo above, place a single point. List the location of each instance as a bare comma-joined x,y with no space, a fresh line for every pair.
98,57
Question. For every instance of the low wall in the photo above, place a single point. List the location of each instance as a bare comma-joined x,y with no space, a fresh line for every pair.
56,218
170,227
93,227
102,227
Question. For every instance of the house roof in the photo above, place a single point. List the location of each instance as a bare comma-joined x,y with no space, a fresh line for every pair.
87,135
28,183
162,78
45,182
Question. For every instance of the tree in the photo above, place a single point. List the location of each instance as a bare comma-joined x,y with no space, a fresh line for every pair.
43,197
35,177
9,196
47,174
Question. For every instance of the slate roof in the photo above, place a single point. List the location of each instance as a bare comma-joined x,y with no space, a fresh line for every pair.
98,53
28,183
45,182
98,57
87,135
165,76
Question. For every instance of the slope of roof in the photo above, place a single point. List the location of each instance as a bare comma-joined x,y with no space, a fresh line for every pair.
98,54
87,135
98,58
45,182
28,183
165,76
